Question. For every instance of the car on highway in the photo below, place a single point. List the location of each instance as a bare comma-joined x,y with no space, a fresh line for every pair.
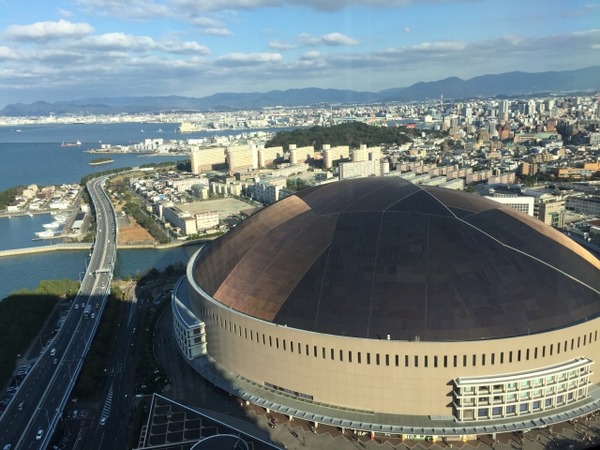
103,420
53,352
20,408
76,306
39,434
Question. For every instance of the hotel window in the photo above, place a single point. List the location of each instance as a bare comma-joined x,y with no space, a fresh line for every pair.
578,341
416,360
595,335
551,349
527,355
543,351
519,355
435,361
445,361
264,343
405,360
341,355
474,360
455,360
270,342
349,355
277,342
523,407
464,360
493,358
572,344
387,359
368,358
510,356
332,354
584,338
377,358
558,348
323,352
426,362
359,357
299,348
307,352
535,353
283,343
315,350
483,359
397,360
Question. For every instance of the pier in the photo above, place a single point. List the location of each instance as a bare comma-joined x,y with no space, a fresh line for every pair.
45,248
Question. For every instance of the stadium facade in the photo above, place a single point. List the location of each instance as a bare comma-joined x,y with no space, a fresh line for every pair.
387,307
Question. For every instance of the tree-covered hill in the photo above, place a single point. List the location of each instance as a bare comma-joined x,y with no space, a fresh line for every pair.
8,197
353,134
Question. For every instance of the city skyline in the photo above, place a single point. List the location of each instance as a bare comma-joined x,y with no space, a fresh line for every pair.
74,49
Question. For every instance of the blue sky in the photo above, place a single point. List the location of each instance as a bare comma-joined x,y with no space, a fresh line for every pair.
71,49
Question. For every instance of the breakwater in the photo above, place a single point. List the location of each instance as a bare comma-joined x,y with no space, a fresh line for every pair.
44,248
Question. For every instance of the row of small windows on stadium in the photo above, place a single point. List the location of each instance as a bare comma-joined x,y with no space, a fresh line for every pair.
396,360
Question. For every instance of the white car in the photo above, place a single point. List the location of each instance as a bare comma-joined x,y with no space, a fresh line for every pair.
76,305
39,434
103,420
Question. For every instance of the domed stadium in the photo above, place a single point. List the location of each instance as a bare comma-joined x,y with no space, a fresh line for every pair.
387,307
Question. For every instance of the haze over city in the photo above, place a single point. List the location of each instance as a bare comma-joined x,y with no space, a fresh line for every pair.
71,49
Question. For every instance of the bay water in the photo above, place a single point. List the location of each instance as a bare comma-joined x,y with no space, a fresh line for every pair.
32,154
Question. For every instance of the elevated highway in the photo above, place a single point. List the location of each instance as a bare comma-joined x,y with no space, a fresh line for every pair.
35,410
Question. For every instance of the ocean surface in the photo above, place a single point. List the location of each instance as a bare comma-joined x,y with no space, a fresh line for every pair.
26,271
32,154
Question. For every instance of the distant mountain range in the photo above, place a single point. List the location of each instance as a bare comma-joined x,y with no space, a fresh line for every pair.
508,84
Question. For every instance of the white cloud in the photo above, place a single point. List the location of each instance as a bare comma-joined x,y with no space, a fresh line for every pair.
216,31
281,46
119,41
311,55
331,39
7,53
248,59
191,47
132,9
47,30
320,5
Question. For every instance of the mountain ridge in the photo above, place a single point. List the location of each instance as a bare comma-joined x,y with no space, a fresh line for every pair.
515,83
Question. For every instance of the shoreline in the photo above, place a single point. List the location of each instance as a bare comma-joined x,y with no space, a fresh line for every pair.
87,245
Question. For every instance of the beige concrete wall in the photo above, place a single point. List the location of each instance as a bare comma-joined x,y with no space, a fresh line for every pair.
390,389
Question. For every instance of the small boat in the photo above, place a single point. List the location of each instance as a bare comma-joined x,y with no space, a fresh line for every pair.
60,218
45,234
51,225
71,144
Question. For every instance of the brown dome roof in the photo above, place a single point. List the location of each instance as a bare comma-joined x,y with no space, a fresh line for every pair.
378,256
